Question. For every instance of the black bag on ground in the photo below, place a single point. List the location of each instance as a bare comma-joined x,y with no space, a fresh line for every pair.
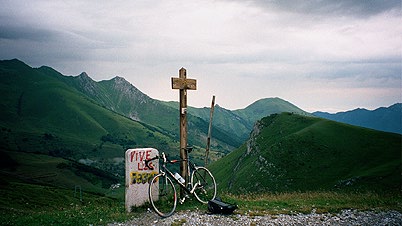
216,206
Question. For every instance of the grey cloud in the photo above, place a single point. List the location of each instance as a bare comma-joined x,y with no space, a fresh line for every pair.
359,8
385,70
14,32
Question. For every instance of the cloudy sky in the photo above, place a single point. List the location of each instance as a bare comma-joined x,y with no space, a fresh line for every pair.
319,54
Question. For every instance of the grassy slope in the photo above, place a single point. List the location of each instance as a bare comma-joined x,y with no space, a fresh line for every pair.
43,119
33,168
38,189
40,113
294,152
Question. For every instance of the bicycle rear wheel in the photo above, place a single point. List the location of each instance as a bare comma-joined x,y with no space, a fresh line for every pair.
162,195
205,182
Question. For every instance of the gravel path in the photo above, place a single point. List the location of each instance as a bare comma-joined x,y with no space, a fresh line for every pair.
346,217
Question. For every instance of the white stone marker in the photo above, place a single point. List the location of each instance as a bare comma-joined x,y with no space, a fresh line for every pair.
138,175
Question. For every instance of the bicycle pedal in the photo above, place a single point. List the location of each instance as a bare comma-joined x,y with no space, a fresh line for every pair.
181,201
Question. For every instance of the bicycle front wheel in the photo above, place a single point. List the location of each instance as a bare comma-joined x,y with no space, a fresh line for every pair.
205,182
162,195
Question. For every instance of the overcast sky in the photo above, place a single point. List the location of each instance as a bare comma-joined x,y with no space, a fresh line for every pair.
319,55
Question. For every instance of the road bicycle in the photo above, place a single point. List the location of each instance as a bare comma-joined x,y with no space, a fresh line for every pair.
162,192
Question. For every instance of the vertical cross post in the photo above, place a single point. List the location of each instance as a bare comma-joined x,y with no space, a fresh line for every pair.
183,84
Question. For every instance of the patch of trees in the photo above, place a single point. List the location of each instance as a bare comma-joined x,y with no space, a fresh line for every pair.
61,152
124,142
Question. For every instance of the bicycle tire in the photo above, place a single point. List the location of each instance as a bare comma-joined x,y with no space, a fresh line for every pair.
162,195
206,185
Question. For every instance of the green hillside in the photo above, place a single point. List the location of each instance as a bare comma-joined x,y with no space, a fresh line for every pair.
53,139
42,114
19,168
288,152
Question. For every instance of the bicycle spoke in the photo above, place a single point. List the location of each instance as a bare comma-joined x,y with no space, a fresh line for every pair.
205,182
162,195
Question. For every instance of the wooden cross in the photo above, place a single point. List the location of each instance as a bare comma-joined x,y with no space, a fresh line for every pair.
183,84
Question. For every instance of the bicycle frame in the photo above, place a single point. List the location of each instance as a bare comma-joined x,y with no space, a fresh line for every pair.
190,166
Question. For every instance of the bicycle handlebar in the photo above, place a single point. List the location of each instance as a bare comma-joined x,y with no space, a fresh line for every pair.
163,156
148,160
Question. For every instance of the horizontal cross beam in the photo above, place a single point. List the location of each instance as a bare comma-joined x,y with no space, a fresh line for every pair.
184,83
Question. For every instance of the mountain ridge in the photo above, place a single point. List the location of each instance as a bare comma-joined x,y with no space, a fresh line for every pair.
77,119
388,119
236,122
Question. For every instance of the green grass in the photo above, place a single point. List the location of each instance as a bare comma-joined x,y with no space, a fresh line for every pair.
29,204
320,202
297,153
24,204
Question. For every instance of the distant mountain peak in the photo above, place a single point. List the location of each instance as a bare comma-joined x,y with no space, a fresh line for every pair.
84,75
118,78
49,70
122,83
15,63
15,60
84,78
86,82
